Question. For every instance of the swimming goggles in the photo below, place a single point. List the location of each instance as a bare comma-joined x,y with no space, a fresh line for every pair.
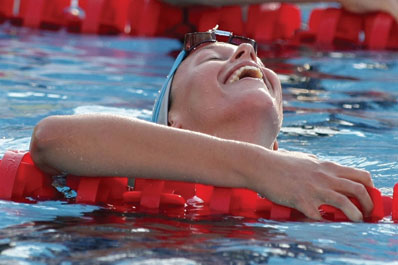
193,40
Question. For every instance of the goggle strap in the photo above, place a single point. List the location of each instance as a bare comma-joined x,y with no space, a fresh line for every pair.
223,33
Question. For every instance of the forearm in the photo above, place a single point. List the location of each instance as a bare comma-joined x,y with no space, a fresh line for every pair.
114,146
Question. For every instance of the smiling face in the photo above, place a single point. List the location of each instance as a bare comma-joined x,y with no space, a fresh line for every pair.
225,90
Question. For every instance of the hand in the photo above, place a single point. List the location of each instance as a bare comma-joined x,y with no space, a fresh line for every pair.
363,6
303,182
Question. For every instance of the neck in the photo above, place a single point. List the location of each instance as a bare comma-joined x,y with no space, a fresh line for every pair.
246,130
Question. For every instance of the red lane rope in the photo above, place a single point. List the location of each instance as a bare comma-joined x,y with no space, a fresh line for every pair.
20,178
328,28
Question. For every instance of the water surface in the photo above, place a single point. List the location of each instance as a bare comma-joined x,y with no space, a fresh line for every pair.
341,106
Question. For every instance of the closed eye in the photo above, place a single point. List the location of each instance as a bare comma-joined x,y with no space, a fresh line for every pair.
212,53
211,59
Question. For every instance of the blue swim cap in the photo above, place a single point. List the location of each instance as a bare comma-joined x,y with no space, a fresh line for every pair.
161,108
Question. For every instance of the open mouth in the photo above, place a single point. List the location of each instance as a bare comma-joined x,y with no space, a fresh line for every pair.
243,72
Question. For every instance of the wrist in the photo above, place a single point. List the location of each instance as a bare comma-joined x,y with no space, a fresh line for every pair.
247,163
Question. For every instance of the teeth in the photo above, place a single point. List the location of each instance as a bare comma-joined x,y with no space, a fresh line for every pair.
247,70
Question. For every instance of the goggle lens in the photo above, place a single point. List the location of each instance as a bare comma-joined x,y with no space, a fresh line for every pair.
238,40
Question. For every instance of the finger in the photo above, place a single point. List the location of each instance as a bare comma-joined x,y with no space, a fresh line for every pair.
310,210
356,190
344,204
354,174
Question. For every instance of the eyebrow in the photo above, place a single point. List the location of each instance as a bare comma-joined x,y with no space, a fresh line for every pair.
211,45
205,47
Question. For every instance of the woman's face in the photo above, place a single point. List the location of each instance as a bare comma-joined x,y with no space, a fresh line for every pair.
221,89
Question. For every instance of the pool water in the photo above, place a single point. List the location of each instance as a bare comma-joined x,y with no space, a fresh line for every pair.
340,106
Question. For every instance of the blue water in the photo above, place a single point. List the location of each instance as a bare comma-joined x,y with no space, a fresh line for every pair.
341,106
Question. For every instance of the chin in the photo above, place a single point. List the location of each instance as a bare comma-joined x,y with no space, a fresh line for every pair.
257,100
262,112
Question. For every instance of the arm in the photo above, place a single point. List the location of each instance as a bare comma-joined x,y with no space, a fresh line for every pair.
104,145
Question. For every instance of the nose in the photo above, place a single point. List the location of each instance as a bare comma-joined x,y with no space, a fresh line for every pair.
244,51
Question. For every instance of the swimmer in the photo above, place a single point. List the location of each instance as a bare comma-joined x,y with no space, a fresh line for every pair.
218,116
357,6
